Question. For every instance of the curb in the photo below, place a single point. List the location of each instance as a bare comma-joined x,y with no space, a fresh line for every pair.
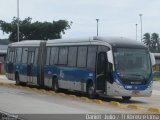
84,98
97,101
131,106
155,110
114,103
51,92
62,94
72,96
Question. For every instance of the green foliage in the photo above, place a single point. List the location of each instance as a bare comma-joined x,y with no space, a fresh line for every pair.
36,30
156,78
152,41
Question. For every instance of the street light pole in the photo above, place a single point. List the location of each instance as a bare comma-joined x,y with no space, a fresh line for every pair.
140,15
136,31
97,26
18,20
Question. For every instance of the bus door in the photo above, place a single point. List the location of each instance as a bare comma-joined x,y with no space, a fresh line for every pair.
30,62
11,58
40,63
101,71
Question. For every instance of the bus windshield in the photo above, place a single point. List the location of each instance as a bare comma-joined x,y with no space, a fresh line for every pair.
132,64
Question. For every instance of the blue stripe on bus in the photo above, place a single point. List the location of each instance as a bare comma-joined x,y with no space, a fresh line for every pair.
22,69
69,73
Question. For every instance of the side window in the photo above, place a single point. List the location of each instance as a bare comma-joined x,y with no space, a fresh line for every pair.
91,59
48,56
82,54
63,51
8,52
72,55
36,56
30,57
54,56
11,56
18,55
24,55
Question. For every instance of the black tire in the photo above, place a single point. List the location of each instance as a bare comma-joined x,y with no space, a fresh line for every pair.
126,98
91,91
55,85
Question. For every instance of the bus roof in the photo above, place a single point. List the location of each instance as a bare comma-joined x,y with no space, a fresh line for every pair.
108,41
121,42
26,43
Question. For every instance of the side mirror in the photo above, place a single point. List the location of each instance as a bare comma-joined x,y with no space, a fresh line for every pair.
153,62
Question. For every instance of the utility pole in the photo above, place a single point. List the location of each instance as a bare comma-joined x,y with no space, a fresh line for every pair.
18,20
136,31
140,15
97,26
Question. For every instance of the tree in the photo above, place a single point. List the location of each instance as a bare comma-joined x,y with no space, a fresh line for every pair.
155,42
147,39
152,41
36,30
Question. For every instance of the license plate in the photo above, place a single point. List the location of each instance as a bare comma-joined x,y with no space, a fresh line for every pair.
135,92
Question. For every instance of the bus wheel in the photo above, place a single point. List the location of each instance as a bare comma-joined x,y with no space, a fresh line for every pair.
126,98
55,85
91,91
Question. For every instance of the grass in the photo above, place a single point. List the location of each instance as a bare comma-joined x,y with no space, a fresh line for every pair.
156,78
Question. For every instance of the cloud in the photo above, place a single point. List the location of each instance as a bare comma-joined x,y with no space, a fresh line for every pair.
117,17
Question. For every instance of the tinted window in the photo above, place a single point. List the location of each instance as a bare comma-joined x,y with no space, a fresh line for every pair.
63,51
36,56
30,57
8,52
48,56
24,55
72,55
91,59
11,56
103,48
81,59
54,56
18,55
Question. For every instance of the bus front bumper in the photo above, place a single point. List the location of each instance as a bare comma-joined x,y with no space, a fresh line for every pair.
118,90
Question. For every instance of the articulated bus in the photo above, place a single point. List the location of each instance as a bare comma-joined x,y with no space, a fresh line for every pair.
96,65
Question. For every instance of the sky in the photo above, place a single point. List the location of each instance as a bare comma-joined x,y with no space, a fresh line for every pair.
116,17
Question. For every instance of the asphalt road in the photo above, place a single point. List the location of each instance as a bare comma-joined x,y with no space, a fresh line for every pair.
19,101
